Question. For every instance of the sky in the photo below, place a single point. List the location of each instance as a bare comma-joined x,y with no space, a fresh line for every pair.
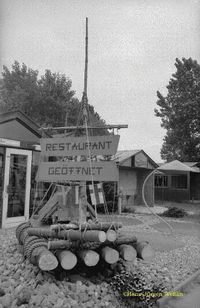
133,45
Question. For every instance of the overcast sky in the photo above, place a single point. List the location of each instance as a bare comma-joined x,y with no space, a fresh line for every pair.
133,45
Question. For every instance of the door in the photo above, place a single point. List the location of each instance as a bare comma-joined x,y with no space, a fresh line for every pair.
16,193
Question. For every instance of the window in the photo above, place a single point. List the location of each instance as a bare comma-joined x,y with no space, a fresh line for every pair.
133,161
161,181
179,181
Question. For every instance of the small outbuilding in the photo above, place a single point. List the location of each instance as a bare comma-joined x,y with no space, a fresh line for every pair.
19,139
177,181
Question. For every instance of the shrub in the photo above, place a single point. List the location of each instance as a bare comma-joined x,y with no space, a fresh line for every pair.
175,212
128,210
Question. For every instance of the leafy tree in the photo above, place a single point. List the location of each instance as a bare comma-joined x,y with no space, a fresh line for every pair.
180,113
48,100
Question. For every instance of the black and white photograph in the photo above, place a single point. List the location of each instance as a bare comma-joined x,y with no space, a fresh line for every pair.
100,154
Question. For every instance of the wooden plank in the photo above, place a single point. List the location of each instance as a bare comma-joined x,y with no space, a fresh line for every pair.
77,171
77,146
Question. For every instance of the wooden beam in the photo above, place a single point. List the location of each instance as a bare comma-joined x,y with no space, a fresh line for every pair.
110,126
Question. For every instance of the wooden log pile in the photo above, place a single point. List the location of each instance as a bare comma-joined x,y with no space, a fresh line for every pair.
70,244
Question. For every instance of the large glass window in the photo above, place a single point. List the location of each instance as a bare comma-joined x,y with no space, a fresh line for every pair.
179,181
17,185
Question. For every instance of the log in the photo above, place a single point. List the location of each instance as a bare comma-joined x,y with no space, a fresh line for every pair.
144,251
58,227
111,235
88,236
67,259
127,252
59,244
109,255
123,239
89,257
44,259
104,226
66,244
72,235
42,232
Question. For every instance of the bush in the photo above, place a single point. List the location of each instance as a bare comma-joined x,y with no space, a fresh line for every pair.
128,210
175,212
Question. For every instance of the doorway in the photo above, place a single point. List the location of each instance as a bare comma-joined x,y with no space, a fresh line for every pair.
16,192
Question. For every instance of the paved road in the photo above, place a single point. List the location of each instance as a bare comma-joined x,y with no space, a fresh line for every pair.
191,300
184,228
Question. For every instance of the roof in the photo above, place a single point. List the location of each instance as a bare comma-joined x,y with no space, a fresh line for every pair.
123,155
176,165
191,163
22,118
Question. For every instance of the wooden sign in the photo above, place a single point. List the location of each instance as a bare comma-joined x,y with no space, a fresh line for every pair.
77,171
72,146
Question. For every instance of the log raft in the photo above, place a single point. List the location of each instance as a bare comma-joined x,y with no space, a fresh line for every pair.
46,247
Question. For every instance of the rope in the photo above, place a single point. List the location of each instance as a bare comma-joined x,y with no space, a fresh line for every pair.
39,205
143,197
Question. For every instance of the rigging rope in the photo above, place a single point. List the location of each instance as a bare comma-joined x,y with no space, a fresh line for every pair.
146,204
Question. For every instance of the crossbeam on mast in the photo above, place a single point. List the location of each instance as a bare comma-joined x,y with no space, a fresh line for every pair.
112,126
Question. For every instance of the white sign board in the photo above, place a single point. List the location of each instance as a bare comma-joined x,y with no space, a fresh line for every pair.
77,171
77,146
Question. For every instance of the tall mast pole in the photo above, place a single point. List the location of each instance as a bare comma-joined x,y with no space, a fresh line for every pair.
84,98
86,58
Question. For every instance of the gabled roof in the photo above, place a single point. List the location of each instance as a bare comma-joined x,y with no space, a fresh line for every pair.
21,118
190,163
123,155
176,165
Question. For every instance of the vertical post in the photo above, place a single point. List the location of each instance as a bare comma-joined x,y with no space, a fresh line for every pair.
82,203
86,59
120,194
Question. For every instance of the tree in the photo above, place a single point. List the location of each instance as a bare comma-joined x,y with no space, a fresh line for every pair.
47,100
180,113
